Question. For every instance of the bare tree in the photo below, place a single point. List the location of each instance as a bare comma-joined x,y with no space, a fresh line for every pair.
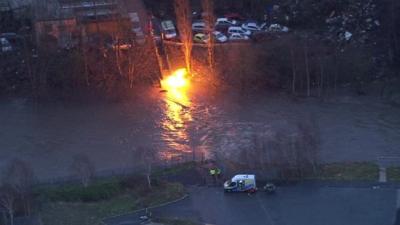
148,158
83,168
294,72
307,70
183,16
8,198
20,177
209,18
321,77
308,144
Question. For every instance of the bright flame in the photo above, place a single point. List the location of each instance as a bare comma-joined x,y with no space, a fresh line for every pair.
176,80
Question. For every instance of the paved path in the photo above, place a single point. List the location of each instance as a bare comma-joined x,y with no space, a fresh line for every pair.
300,204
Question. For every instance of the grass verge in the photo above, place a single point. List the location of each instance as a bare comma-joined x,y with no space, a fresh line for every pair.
393,173
175,170
349,171
91,213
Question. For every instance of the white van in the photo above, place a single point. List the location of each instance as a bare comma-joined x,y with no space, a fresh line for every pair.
241,183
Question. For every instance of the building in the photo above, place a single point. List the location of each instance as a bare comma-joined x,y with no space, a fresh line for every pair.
66,22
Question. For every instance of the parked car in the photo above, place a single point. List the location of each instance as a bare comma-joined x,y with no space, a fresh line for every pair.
225,21
168,29
238,37
11,37
238,30
137,28
155,29
223,24
200,27
220,37
201,38
5,45
251,26
277,28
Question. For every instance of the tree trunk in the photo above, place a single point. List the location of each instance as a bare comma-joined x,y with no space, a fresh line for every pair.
307,71
11,214
4,219
148,176
293,72
321,78
193,153
395,45
335,70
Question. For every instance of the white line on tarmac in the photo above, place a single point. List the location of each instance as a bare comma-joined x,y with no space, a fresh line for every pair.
382,175
398,199
265,210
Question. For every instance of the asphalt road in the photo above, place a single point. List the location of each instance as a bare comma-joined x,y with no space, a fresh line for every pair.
303,204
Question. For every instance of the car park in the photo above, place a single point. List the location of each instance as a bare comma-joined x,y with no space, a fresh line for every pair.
238,30
168,29
238,37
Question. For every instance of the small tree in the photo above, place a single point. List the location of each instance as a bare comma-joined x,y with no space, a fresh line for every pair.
148,158
7,201
183,15
83,168
20,177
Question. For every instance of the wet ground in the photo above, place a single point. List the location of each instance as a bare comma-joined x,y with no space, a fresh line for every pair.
202,122
303,204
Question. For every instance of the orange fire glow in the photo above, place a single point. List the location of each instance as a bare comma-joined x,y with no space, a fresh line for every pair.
178,79
177,114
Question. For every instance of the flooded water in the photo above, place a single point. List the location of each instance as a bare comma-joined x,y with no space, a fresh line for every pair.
192,124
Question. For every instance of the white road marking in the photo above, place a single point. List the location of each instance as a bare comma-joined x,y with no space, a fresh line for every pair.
265,210
382,175
398,199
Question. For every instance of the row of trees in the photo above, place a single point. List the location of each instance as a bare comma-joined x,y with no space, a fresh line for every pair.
302,65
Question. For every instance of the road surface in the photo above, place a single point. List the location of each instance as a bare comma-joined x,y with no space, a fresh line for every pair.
302,204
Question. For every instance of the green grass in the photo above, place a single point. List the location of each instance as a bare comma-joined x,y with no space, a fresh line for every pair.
91,213
175,169
98,190
349,171
393,173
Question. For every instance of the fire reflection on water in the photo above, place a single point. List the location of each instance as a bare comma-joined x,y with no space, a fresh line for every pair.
177,115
